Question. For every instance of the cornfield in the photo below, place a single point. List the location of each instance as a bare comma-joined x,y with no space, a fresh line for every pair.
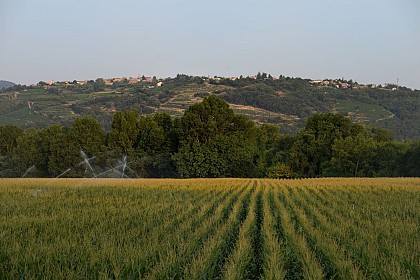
210,229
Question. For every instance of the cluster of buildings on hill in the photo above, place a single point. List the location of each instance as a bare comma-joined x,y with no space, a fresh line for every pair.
131,80
327,83
234,78
109,81
340,84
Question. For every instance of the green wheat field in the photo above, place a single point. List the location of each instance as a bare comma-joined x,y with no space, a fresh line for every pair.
210,229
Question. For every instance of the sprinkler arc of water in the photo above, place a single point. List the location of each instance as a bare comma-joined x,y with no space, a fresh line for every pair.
86,161
68,169
28,170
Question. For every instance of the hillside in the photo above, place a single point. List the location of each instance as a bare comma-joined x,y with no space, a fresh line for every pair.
6,84
285,101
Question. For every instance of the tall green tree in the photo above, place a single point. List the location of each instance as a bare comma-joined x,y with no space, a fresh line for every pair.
34,150
89,135
304,155
200,161
214,142
151,136
203,121
64,156
8,138
124,133
170,130
225,156
150,147
68,148
408,164
352,156
385,159
312,150
268,135
28,150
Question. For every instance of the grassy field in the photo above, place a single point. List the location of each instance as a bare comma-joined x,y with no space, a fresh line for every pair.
210,229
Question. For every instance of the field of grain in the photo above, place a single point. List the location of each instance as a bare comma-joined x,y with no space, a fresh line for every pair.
210,229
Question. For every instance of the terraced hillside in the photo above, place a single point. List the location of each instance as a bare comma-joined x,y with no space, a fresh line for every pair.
210,229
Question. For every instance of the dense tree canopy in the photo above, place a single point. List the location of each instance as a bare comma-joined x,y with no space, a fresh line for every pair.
215,142
124,133
208,140
8,138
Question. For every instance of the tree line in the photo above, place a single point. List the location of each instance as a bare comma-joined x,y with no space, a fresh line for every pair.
208,140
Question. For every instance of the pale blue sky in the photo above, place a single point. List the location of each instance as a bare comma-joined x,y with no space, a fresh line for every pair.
370,41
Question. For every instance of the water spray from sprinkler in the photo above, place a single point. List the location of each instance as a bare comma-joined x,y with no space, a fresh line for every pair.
86,161
29,170
68,169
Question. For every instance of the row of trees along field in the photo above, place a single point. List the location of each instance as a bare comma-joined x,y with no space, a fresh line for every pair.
209,140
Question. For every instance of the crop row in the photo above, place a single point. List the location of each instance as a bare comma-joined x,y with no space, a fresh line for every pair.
210,229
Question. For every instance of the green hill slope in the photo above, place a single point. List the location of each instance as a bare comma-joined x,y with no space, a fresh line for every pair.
287,102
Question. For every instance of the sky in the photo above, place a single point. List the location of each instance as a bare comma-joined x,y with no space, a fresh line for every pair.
369,41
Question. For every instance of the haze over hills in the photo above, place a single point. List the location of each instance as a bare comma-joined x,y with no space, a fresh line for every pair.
284,101
6,84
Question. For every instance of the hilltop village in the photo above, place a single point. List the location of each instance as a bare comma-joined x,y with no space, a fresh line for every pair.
158,82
